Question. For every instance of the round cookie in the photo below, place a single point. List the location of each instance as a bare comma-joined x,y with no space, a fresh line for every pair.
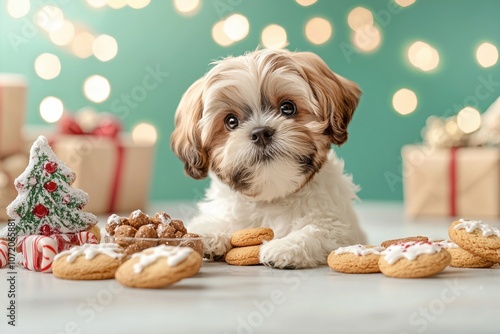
88,262
477,238
251,236
356,259
418,238
158,267
461,258
243,256
413,260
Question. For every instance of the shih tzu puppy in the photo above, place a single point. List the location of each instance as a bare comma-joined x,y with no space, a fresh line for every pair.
261,126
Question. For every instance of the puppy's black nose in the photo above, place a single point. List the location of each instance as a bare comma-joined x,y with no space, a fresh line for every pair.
262,136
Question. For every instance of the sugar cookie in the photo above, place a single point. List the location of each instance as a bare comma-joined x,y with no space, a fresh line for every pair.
463,259
356,259
88,262
413,259
243,256
158,267
418,238
251,236
477,238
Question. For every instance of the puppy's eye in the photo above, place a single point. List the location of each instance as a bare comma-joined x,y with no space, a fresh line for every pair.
288,108
231,122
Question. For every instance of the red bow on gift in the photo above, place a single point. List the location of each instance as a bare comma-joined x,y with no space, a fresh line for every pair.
107,126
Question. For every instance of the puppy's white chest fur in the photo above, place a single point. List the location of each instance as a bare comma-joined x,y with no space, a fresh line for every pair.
319,216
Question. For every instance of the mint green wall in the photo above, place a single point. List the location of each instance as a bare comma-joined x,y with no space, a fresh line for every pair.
157,36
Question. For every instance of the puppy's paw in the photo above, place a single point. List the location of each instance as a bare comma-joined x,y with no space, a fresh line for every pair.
283,254
216,245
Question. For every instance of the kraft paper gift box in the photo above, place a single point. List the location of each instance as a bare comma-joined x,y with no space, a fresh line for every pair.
461,182
116,173
12,110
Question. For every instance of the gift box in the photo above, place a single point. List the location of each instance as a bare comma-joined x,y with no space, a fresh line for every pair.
12,110
457,181
114,170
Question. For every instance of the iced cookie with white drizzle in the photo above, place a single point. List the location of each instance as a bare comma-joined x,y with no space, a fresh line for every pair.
476,237
88,262
461,258
355,259
159,267
413,259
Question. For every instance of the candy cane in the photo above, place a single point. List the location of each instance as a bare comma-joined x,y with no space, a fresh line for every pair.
38,253
87,237
4,253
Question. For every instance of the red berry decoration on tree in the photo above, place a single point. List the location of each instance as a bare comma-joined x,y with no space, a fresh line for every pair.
50,167
50,186
40,211
45,230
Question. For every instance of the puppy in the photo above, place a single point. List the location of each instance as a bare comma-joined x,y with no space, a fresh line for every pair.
261,126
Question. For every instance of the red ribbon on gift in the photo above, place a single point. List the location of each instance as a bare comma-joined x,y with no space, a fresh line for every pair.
109,127
453,181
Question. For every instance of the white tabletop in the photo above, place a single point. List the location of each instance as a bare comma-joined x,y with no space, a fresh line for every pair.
228,299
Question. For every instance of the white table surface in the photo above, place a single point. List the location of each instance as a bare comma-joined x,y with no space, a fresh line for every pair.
227,299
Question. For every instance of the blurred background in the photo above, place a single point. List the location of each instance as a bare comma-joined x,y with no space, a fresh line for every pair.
135,58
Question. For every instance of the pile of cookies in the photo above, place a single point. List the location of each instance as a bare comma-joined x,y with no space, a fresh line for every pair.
246,245
140,231
154,267
474,245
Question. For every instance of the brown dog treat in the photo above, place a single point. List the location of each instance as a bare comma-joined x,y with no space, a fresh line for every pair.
138,219
356,259
159,267
477,238
413,259
162,218
88,262
178,225
419,238
123,235
165,231
197,245
148,232
243,256
251,236
112,223
132,249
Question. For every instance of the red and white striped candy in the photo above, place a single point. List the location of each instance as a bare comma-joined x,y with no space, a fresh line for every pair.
87,237
4,253
38,253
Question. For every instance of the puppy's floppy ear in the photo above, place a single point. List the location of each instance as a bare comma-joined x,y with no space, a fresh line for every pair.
185,140
337,96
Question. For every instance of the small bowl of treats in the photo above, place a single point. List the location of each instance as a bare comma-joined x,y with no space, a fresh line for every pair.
140,231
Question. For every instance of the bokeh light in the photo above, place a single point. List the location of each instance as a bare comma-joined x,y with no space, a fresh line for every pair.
47,66
51,109
50,18
187,7
104,47
145,134
404,3
404,101
236,27
138,4
469,119
96,88
487,55
306,3
64,35
97,3
82,44
359,17
367,38
219,35
423,56
117,4
274,37
18,8
318,30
